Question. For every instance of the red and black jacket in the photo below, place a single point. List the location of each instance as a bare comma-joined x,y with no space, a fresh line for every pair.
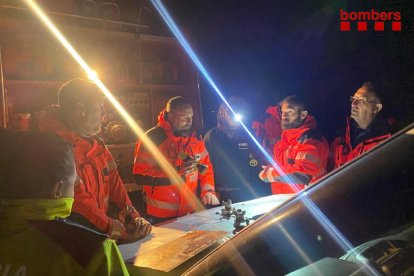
355,141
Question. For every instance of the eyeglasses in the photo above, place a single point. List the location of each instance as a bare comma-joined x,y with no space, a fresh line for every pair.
353,99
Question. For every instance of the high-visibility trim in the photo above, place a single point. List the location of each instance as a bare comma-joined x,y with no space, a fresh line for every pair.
310,157
297,178
161,204
146,180
161,209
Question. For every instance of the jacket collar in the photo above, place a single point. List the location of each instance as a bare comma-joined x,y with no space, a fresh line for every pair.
166,126
377,128
35,209
290,135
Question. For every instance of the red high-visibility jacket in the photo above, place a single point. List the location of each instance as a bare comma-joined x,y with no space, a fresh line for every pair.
96,168
341,147
302,156
171,199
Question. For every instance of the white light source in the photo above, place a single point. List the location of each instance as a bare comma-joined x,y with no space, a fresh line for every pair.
238,117
92,75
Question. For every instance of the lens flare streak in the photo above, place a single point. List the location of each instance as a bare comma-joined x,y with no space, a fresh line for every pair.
314,210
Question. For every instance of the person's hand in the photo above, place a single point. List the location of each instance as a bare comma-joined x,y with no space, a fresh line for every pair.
136,229
266,174
210,199
116,229
128,213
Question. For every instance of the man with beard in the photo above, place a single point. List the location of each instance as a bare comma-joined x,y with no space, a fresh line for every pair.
367,128
186,151
236,159
78,119
301,153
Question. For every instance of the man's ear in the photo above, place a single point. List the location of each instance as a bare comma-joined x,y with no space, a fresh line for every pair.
378,108
57,190
303,114
80,109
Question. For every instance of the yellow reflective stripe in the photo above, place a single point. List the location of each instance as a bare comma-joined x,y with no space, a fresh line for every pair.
161,204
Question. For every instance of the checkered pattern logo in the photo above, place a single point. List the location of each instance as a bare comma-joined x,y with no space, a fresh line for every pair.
363,21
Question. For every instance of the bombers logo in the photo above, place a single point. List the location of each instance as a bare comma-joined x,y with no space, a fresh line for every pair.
374,18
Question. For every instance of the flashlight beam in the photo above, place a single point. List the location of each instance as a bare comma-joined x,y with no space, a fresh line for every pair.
317,213
162,161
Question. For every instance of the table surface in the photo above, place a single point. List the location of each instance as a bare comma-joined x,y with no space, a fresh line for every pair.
209,220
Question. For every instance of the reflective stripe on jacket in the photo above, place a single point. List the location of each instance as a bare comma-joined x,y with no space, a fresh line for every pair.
171,199
302,155
100,180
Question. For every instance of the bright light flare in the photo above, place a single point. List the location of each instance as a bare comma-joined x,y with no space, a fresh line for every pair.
93,76
238,117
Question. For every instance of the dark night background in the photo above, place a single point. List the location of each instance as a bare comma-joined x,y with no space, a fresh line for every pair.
266,50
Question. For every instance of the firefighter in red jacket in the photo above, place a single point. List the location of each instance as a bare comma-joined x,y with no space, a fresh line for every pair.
301,153
78,119
185,151
366,129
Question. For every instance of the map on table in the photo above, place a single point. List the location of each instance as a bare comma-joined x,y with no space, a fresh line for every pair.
170,255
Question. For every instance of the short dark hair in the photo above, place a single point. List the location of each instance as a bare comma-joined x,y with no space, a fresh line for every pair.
76,91
296,101
32,162
372,89
176,103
